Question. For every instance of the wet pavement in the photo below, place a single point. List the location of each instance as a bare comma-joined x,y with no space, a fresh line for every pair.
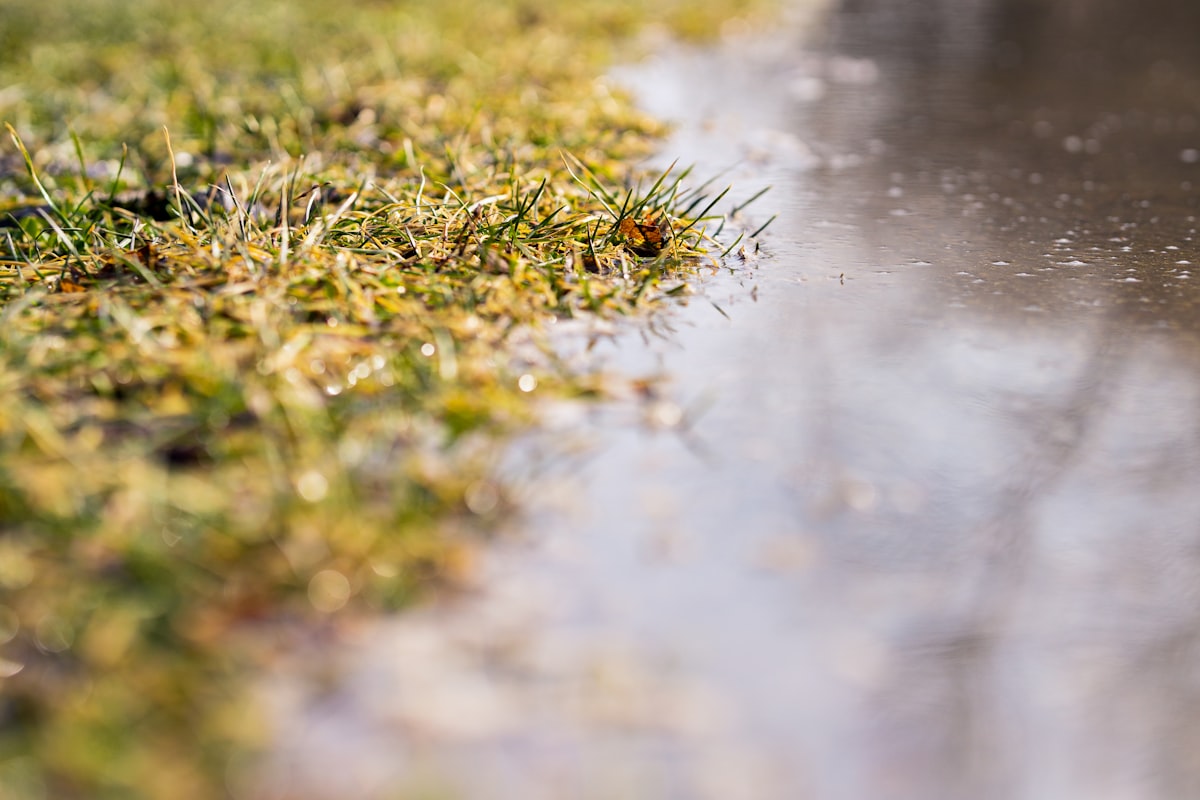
916,516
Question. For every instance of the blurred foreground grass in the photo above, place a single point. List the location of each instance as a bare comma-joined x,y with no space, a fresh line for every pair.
271,276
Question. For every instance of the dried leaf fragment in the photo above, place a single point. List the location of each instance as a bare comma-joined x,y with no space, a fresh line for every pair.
648,238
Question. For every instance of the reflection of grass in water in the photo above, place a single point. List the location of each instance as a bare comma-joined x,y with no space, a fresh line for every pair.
218,430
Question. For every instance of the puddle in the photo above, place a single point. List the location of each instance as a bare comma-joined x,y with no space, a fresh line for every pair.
932,528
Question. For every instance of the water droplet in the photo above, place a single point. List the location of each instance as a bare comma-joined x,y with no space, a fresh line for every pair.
385,570
428,349
527,383
53,635
312,486
328,591
351,451
481,498
666,414
9,624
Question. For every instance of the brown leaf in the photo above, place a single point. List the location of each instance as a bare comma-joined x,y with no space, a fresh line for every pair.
648,238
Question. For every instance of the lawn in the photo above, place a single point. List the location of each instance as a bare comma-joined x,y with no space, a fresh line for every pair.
274,278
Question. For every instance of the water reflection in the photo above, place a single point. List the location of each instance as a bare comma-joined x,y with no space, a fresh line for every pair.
1039,381
1063,133
942,538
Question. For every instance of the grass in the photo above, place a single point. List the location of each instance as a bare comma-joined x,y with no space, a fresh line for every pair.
271,281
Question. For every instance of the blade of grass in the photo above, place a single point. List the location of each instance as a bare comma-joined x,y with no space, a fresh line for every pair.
33,175
763,227
746,203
